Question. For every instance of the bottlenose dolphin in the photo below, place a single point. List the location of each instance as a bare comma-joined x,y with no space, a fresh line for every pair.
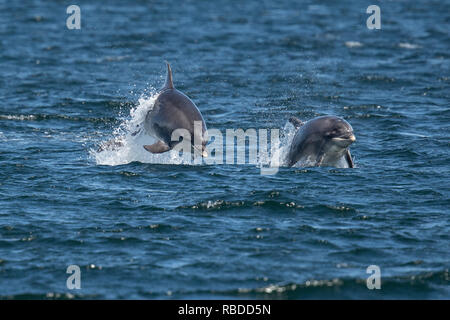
322,141
174,110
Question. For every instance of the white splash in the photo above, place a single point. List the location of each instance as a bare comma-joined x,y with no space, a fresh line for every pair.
125,147
406,45
278,158
353,44
20,117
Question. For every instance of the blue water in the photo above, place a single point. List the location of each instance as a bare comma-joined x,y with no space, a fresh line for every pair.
140,226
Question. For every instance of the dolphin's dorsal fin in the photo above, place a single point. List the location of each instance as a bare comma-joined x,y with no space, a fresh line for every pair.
296,122
169,81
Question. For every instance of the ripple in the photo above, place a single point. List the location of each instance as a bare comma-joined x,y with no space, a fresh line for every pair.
406,45
217,205
353,44
49,296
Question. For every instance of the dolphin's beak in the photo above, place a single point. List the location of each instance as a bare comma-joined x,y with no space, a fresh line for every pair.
345,140
352,138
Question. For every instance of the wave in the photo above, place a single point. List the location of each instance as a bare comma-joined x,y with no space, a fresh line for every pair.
353,44
42,117
48,296
417,286
218,205
342,288
406,45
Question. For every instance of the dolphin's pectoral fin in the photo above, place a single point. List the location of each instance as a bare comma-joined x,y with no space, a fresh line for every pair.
158,147
348,158
296,122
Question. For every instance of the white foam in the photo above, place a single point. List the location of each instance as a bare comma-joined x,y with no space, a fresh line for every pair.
278,158
407,45
20,117
126,147
353,44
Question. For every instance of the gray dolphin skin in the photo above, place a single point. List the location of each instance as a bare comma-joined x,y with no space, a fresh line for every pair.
322,141
174,110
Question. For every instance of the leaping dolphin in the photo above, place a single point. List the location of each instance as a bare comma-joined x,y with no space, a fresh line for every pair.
174,110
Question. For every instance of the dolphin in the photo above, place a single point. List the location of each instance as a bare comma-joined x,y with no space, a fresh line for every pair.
322,141
174,110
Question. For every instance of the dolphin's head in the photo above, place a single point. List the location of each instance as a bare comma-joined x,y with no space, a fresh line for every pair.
341,133
336,130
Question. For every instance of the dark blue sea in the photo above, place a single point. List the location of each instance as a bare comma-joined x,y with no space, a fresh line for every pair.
141,226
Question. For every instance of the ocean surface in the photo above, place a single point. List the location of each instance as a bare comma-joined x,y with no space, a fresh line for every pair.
142,226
